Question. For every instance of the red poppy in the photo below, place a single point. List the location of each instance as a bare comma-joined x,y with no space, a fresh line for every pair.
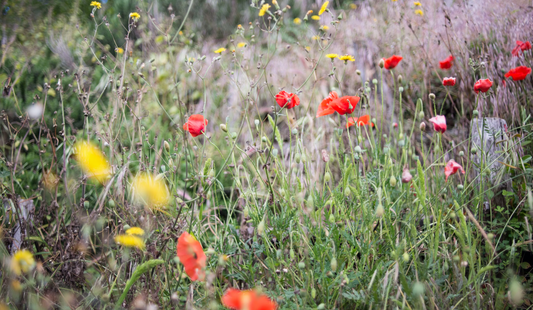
451,168
342,105
518,73
448,81
247,300
520,47
360,121
195,125
192,256
482,86
446,63
406,175
395,125
439,123
391,63
287,100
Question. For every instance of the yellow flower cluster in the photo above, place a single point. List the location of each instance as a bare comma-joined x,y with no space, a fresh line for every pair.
22,262
241,44
119,50
135,16
135,231
150,190
220,50
324,27
264,9
297,21
92,161
96,4
417,3
347,58
419,12
130,241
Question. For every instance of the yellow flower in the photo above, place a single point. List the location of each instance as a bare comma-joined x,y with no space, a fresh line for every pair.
315,38
274,2
130,241
92,161
135,231
419,12
323,8
241,45
353,6
22,262
315,17
297,21
332,56
417,3
239,26
96,4
151,190
220,50
135,16
309,12
308,48
264,9
119,50
324,27
347,58
394,0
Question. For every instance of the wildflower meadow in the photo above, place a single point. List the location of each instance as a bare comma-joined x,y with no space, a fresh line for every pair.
266,154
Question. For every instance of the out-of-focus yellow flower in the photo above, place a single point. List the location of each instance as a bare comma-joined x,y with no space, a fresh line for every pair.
151,190
347,58
22,262
239,26
220,50
323,8
324,27
92,161
353,6
241,44
309,12
135,16
297,21
264,9
315,17
419,12
315,38
275,2
308,48
332,56
130,241
119,50
394,0
417,3
135,231
96,4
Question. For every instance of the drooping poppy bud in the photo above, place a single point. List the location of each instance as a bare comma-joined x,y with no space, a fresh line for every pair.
439,123
406,175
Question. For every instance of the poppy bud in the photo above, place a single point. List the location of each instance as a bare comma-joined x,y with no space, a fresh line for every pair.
332,218
473,151
405,257
475,112
418,289
313,293
333,264
347,191
167,146
460,187
261,227
301,265
246,212
406,175
264,139
516,292
360,139
311,203
278,254
321,307
275,152
126,227
211,173
358,72
490,236
400,136
111,203
358,149
416,158
256,123
392,181
401,143
422,126
421,115
374,120
297,158
294,131
400,89
325,156
374,81
234,135
327,177
380,210
461,153
432,96
291,254
400,79
223,128
381,63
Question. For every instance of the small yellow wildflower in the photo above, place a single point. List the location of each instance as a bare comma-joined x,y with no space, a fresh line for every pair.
135,231
394,0
315,38
308,48
417,3
241,45
22,262
151,190
332,56
135,16
324,27
92,161
353,6
96,4
297,21
119,50
239,26
347,58
220,50
274,2
315,17
130,241
264,9
419,12
323,8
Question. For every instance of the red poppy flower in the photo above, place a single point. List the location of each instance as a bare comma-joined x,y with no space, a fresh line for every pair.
518,73
520,47
446,63
287,100
247,300
192,256
395,125
448,81
195,125
391,63
439,123
451,168
406,175
342,105
360,121
482,86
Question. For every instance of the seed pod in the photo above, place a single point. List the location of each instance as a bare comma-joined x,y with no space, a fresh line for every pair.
380,210
333,264
392,181
261,227
313,293
421,115
327,177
